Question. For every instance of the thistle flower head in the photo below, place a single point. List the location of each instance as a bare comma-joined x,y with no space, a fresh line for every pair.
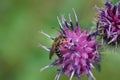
78,51
109,17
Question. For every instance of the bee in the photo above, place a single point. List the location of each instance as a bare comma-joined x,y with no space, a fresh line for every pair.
57,41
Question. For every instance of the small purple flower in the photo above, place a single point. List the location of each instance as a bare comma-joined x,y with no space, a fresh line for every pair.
109,18
78,51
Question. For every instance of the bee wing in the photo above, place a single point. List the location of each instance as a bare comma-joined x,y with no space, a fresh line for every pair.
52,51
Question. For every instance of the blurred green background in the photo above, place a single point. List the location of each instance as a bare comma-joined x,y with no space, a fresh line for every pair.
20,23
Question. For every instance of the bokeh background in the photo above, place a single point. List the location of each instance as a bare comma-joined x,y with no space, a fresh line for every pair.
20,23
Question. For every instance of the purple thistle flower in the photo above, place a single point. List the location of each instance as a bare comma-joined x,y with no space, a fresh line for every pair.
78,51
109,18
